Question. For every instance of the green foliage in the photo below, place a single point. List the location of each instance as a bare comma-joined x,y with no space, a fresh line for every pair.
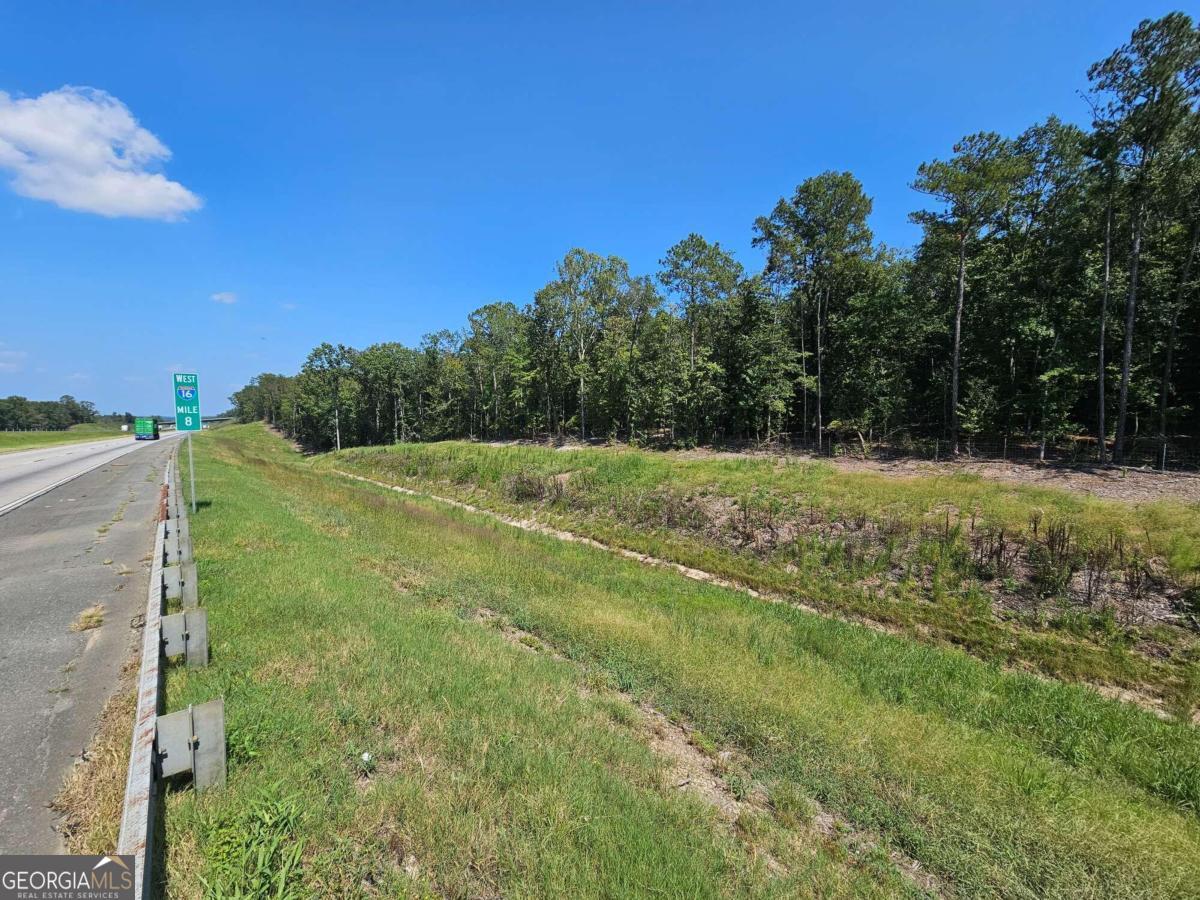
253,853
20,414
993,327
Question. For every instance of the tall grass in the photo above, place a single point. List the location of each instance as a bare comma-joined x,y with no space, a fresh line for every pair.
1168,529
950,559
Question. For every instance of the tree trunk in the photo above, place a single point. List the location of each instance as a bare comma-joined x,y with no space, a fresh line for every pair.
495,404
958,311
1130,314
1100,428
1171,334
582,403
692,349
337,425
820,348
803,377
631,377
1046,398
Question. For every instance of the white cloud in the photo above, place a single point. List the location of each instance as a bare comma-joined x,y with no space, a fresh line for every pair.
12,360
225,297
287,306
82,149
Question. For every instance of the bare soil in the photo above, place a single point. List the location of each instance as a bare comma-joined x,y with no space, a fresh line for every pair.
1106,482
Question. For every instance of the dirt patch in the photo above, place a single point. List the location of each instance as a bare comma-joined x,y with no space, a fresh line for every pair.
1148,702
691,770
1129,485
368,769
1107,482
295,445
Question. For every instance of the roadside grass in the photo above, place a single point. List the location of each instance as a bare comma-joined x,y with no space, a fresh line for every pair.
96,428
919,554
342,623
382,743
27,440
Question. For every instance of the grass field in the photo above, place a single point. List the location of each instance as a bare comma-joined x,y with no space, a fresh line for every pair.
1074,586
27,440
495,679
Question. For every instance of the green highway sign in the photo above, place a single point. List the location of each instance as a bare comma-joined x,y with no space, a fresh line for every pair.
187,402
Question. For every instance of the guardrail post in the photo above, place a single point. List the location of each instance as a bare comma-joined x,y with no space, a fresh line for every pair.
186,634
193,740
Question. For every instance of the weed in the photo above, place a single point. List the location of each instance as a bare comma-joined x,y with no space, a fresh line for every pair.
254,855
89,619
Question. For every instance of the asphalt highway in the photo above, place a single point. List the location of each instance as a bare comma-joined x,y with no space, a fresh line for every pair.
25,473
82,543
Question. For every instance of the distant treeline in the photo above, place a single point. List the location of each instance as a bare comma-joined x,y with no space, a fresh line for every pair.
20,414
1053,292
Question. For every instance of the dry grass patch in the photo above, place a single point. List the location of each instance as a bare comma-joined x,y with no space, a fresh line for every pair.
92,796
89,619
295,673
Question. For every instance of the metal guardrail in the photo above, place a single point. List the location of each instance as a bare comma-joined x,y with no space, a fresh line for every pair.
192,739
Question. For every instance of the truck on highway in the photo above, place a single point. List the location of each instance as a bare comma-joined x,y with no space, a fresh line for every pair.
145,429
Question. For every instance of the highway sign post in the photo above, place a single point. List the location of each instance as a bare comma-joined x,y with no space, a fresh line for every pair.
187,416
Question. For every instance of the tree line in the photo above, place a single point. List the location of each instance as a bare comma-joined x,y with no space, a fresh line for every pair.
1052,293
21,414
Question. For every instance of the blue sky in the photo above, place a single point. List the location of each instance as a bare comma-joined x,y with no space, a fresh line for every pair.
360,172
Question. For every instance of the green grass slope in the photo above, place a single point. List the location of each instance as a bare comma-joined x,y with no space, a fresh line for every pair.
995,568
345,621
